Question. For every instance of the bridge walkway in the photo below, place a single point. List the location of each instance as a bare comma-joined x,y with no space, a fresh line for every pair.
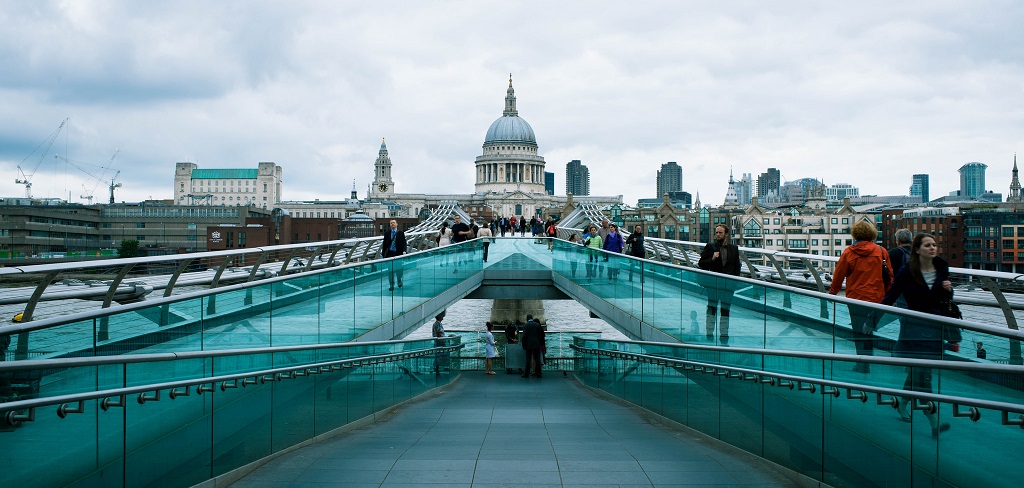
503,430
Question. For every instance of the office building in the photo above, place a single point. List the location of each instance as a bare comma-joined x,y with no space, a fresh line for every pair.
577,178
919,187
549,182
745,189
768,183
670,178
972,180
259,187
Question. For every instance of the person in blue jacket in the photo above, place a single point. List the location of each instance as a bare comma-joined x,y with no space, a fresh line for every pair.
613,243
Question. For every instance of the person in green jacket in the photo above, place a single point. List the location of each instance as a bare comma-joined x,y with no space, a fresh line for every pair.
593,241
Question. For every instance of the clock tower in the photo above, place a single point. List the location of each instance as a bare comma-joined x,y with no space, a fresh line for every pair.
382,187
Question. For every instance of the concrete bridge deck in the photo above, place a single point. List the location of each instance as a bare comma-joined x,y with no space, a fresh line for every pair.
503,431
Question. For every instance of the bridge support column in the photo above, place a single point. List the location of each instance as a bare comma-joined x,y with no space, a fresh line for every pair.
507,311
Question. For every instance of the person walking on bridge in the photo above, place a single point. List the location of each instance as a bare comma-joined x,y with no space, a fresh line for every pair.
394,245
719,256
865,268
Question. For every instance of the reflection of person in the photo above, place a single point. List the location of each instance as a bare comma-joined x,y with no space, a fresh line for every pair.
437,332
924,283
489,348
573,263
982,353
719,256
862,266
394,245
533,344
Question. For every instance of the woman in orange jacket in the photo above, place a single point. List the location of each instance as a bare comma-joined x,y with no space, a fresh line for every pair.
863,266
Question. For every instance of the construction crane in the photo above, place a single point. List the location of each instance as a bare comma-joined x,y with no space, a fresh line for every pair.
26,179
99,178
87,196
113,186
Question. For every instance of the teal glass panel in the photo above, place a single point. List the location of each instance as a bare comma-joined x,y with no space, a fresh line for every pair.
292,411
369,308
242,426
383,378
238,319
331,402
77,337
742,413
51,451
793,429
295,314
167,442
337,306
360,392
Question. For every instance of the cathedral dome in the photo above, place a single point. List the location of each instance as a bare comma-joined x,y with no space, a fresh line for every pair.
510,128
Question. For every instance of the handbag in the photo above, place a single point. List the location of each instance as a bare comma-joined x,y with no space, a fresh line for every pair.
951,333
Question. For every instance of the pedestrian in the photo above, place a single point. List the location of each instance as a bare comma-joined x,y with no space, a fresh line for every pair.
511,335
533,344
900,255
593,242
485,234
982,353
444,238
719,256
865,268
924,283
635,247
522,226
552,232
394,245
613,243
441,358
489,351
460,233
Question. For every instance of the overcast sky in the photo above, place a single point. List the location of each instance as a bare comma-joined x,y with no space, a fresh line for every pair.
866,93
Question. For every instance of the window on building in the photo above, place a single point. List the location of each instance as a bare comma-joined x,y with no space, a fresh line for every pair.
814,242
1007,256
824,253
1007,244
1008,231
839,242
835,220
776,221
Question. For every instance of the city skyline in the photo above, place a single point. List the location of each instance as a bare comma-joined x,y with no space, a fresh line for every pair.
313,88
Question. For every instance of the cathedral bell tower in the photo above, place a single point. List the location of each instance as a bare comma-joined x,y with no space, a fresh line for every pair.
382,187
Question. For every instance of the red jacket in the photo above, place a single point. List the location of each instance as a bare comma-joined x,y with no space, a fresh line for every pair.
860,266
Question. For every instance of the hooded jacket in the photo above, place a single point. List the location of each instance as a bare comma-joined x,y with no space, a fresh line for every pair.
861,267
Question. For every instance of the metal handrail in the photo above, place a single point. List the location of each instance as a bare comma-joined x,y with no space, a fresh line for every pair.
828,387
207,354
10,409
360,250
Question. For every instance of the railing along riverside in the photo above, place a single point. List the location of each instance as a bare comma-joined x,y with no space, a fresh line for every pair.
133,278
20,411
145,425
973,287
855,391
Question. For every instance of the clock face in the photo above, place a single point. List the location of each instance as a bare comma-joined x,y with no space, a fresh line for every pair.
383,187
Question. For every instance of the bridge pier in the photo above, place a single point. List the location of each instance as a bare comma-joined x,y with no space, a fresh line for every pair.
507,311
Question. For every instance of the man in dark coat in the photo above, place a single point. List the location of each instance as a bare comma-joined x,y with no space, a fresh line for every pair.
635,248
533,343
394,245
719,256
